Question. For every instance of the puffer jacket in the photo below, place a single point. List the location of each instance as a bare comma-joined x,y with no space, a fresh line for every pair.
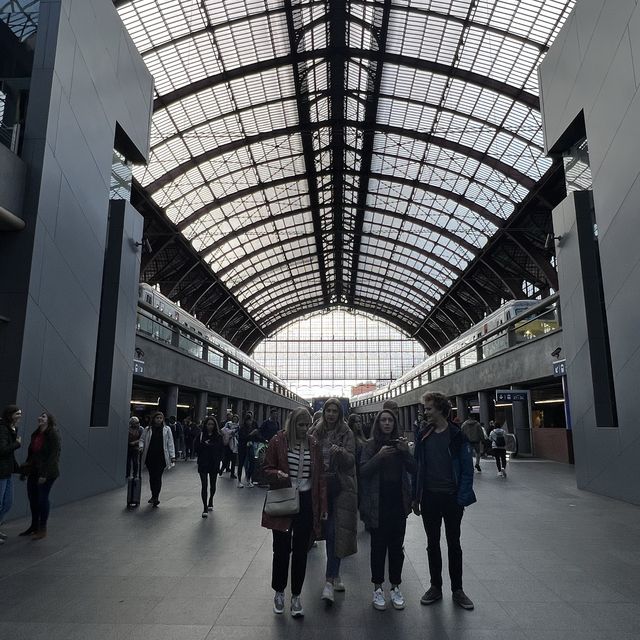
346,502
210,449
8,446
461,458
370,469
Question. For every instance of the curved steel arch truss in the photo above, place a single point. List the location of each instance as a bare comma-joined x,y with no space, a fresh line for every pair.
364,152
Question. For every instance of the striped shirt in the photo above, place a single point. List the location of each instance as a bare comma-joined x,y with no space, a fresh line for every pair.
300,475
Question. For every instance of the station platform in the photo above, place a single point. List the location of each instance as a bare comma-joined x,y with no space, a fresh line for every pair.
542,560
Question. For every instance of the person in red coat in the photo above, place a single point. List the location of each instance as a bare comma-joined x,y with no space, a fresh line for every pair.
294,459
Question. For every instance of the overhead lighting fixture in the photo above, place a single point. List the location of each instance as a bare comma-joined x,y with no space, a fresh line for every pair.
145,403
504,404
555,401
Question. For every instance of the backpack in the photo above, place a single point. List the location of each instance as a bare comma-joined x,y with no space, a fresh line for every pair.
501,443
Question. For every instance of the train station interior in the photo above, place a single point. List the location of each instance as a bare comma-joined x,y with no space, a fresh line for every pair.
219,207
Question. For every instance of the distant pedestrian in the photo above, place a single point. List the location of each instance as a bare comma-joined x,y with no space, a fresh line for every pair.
158,453
271,426
9,443
210,449
294,459
473,430
41,469
247,430
442,488
230,439
498,437
133,448
386,503
355,424
338,455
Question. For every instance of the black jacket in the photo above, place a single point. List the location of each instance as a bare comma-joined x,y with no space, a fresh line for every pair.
44,463
210,450
8,446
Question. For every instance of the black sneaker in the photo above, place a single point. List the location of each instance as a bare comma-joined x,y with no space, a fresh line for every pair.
433,595
460,598
478,468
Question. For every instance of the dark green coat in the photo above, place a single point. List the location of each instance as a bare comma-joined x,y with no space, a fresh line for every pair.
8,446
370,468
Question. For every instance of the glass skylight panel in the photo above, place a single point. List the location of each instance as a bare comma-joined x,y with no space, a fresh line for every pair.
423,36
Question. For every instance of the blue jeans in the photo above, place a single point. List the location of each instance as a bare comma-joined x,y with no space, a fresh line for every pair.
333,562
6,496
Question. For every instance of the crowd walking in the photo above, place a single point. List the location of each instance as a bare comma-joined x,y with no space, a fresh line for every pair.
321,471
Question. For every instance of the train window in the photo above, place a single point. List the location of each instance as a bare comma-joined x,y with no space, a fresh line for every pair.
148,298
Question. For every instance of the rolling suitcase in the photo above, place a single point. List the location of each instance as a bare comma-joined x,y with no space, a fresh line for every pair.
134,488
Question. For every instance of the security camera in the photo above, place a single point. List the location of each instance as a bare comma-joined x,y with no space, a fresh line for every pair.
556,352
139,352
145,244
548,241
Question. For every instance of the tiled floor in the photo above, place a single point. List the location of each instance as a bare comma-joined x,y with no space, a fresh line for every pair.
542,561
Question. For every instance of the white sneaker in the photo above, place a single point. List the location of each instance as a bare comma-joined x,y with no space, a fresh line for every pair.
499,474
296,607
338,585
278,602
240,485
250,485
397,599
327,592
378,601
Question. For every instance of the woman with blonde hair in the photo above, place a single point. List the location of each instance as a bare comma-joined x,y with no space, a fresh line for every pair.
339,460
294,459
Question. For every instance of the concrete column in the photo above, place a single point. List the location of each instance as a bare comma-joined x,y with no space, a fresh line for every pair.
171,404
522,426
251,406
483,400
240,408
201,405
222,412
461,406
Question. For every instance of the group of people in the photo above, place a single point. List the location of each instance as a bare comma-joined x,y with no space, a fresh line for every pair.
218,448
40,468
482,442
337,472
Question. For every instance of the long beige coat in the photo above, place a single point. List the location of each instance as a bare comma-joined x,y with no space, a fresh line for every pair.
346,503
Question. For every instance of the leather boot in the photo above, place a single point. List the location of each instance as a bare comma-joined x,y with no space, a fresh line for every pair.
40,533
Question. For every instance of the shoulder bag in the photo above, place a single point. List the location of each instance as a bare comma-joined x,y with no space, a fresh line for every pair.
283,502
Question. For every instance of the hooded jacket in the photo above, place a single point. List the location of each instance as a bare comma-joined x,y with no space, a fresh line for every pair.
461,459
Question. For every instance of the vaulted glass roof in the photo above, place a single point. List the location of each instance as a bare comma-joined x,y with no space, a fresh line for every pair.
351,152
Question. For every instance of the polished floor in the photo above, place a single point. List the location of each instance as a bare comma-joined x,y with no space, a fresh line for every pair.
542,561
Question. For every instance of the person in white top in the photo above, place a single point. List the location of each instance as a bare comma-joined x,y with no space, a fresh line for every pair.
158,453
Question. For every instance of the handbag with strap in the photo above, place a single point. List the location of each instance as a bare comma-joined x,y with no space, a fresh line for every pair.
283,502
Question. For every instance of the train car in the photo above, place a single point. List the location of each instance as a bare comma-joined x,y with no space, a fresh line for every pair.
165,309
528,327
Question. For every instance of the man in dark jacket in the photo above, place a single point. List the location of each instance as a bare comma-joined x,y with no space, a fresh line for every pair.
442,488
270,427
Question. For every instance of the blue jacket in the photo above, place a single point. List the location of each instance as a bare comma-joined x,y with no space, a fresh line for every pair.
461,458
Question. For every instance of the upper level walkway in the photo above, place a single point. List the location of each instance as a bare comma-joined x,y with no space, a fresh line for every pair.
543,560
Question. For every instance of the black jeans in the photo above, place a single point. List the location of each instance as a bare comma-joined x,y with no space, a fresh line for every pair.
213,477
242,456
155,478
501,458
294,542
229,461
435,508
133,462
39,501
388,538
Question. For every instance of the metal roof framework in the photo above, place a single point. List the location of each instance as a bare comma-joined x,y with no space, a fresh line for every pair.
348,152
